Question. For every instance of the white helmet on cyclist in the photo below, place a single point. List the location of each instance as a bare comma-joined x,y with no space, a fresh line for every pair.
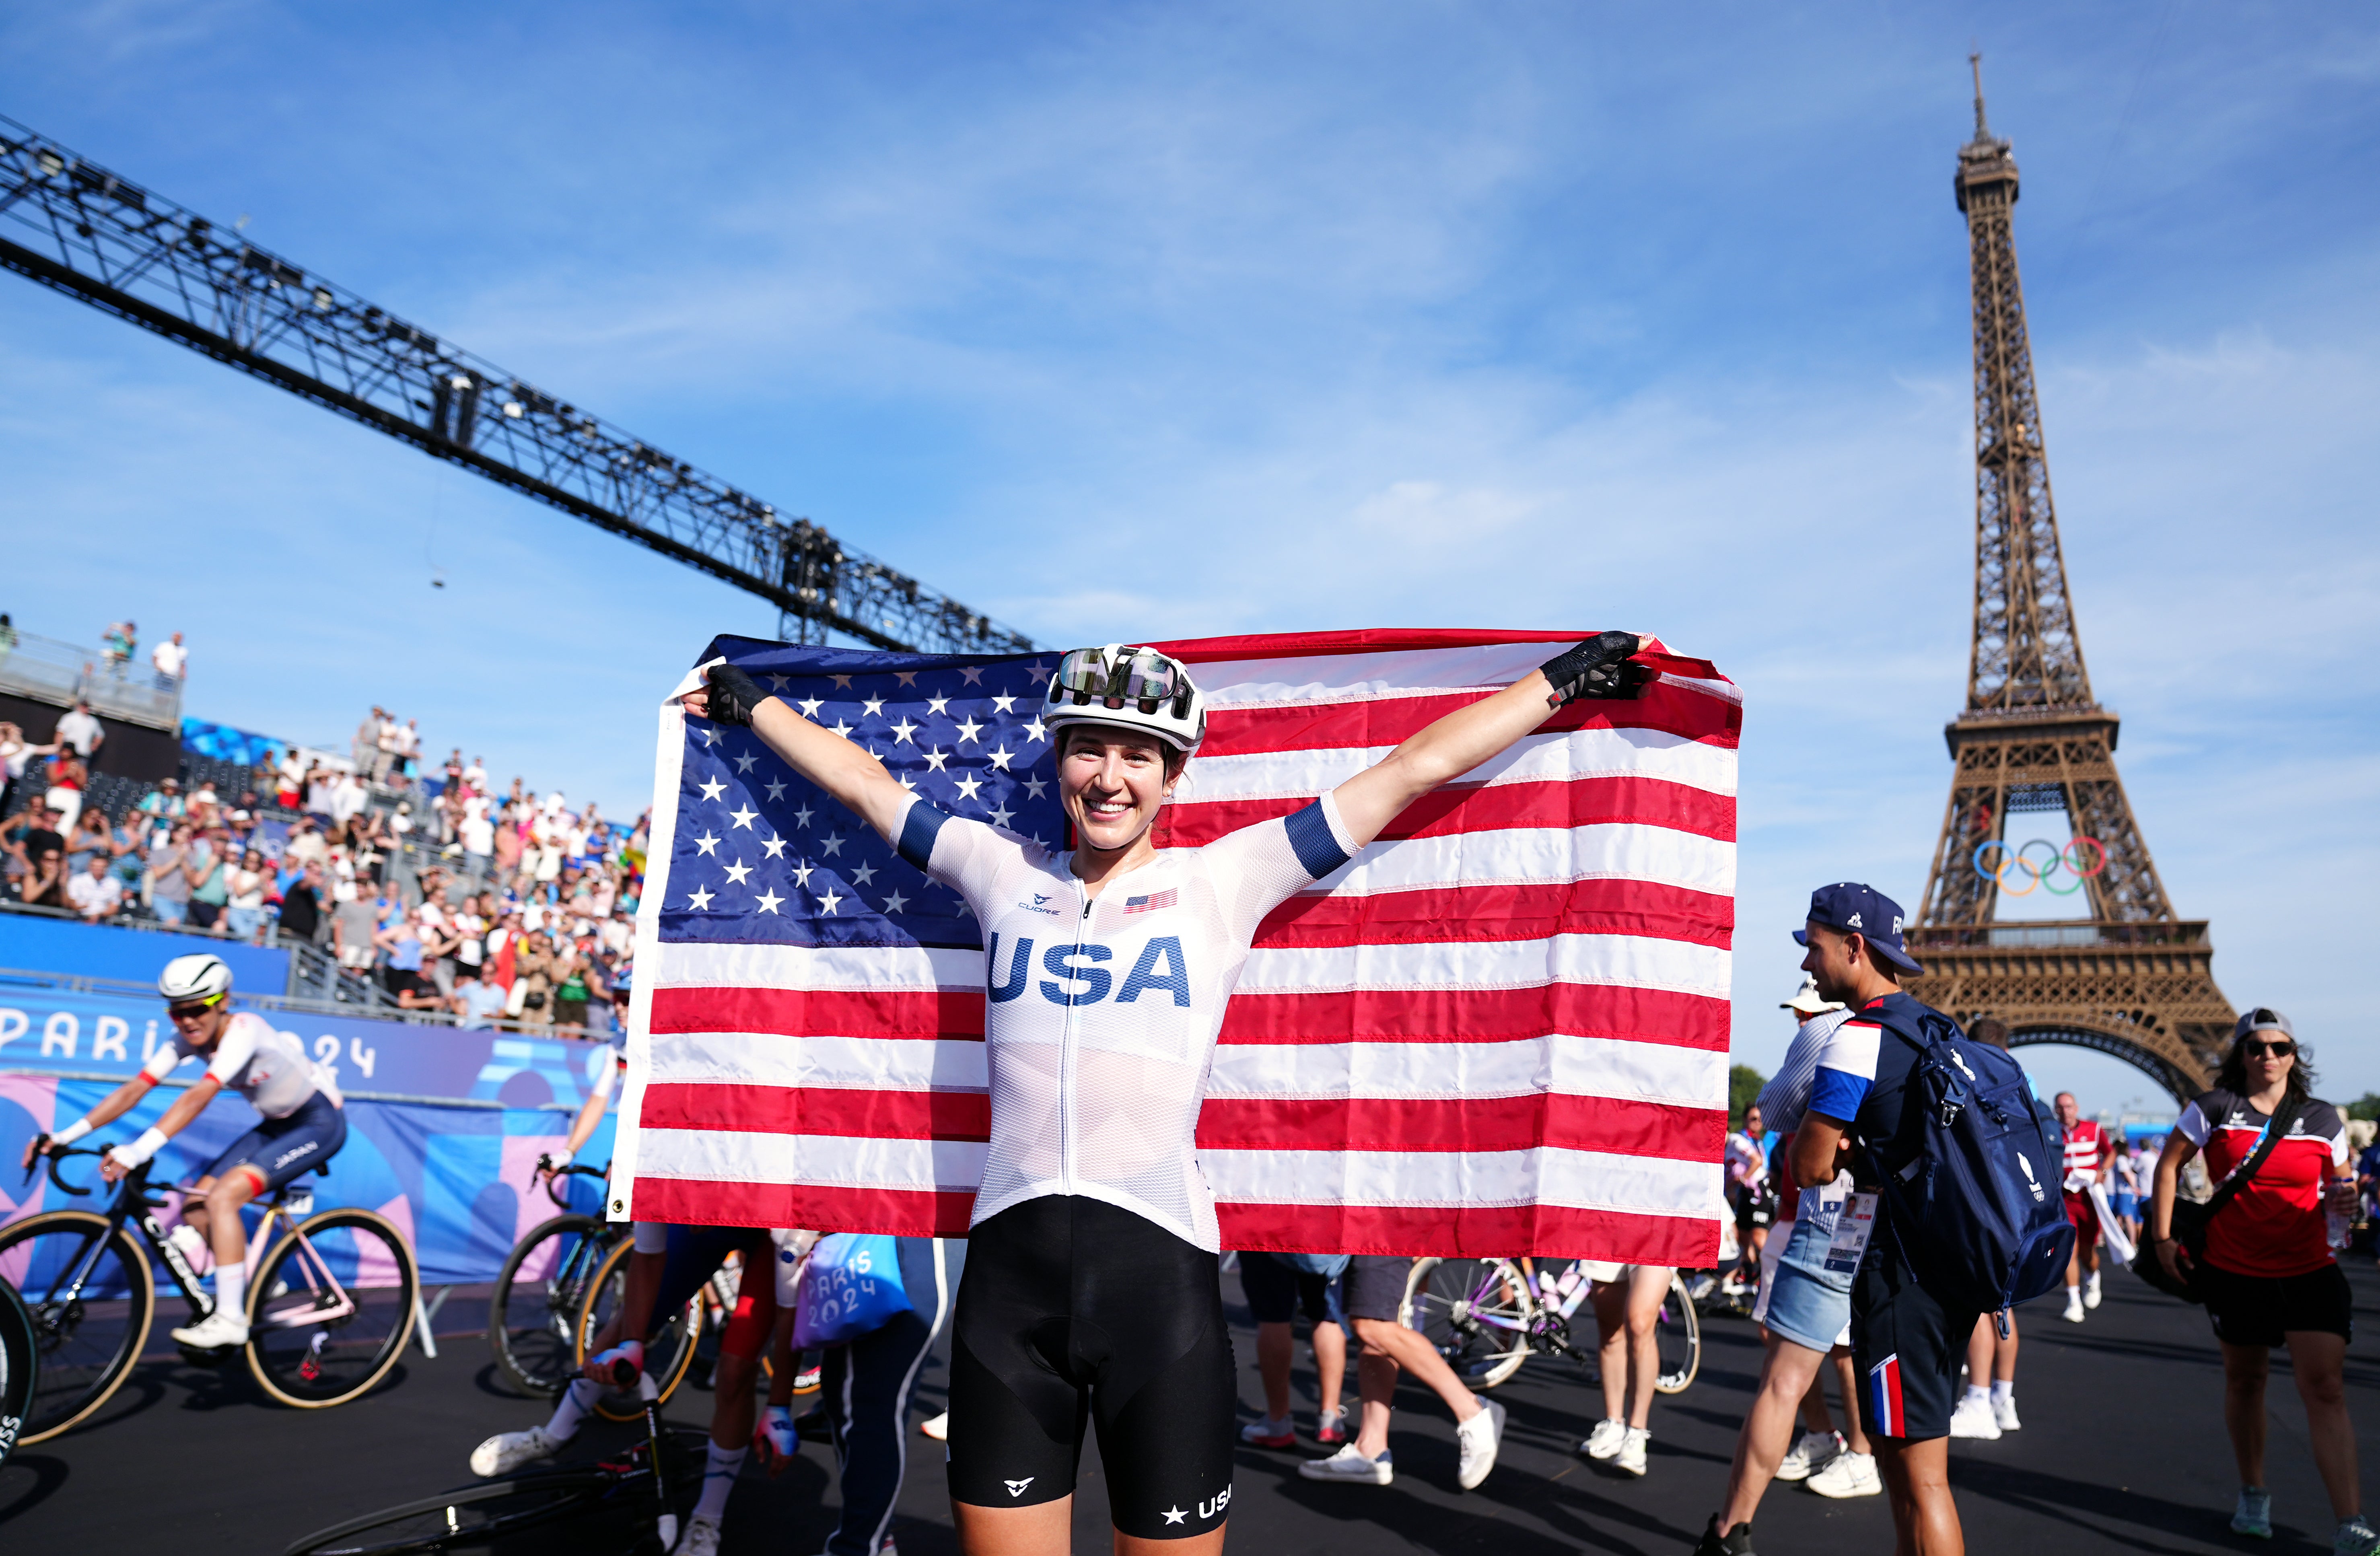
190,979
1130,687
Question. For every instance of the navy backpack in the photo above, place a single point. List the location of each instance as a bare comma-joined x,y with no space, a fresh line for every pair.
1971,1180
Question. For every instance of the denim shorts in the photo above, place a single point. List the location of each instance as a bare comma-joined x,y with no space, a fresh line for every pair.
1807,1303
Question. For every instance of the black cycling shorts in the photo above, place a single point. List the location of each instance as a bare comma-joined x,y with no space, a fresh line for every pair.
1073,1310
279,1150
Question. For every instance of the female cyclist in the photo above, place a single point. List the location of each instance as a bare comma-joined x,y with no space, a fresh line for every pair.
1091,1289
2266,1270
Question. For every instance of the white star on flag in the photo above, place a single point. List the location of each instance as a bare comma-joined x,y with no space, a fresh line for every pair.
775,846
738,872
968,728
968,785
1004,703
700,900
744,816
827,903
746,762
706,843
769,901
714,788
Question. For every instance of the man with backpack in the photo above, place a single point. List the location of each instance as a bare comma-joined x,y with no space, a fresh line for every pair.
1954,1211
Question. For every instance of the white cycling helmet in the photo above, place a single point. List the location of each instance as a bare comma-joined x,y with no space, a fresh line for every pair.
201,976
1130,687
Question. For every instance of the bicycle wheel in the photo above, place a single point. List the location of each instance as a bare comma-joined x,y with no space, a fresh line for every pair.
1679,1334
667,1356
538,1294
471,1517
1477,1312
20,1366
88,1343
330,1309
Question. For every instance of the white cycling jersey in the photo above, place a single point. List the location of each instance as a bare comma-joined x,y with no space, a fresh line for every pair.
1101,1014
269,1067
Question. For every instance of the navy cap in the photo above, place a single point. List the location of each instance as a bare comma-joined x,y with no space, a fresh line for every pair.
1864,910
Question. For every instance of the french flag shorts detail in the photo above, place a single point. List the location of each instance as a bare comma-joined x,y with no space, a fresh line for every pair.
1885,1417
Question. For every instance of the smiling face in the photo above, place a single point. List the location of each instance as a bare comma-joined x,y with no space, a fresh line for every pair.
1113,782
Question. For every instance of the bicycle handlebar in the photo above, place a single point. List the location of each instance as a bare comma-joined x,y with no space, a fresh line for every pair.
57,1155
556,1174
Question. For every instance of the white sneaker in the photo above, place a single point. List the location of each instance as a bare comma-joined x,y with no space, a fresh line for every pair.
1605,1440
2004,1412
2073,1314
1349,1465
2091,1293
1852,1475
1973,1418
506,1451
1813,1453
701,1538
1265,1432
1475,1444
1630,1460
938,1428
214,1330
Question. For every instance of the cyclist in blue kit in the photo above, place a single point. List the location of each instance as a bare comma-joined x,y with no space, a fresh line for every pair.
1091,1290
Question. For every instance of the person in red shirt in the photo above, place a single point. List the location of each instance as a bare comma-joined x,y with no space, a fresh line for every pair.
2266,1272
2088,1153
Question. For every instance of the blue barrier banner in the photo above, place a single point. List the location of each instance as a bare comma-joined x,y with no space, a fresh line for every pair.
445,1127
456,1181
58,945
46,1031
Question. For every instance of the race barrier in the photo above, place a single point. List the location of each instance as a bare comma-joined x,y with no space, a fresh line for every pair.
445,1126
61,946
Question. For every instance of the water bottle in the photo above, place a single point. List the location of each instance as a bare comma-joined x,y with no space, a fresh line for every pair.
1574,1288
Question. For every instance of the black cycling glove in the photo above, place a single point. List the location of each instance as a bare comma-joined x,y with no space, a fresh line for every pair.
733,695
1598,668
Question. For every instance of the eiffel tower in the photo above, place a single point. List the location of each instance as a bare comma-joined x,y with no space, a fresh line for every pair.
2131,979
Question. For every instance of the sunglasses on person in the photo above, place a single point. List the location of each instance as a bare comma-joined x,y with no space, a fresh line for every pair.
192,1011
2280,1048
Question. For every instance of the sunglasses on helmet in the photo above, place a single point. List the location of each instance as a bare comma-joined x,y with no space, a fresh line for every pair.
1142,676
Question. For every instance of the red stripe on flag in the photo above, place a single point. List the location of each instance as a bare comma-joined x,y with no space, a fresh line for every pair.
805,1013
1500,913
754,1108
1311,645
1577,802
1473,1231
1585,1010
1330,726
724,1202
1466,1124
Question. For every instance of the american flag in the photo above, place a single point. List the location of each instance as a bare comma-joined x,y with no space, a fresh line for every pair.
1501,1029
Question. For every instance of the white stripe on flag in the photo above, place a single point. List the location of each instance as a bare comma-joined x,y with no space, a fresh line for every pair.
1554,757
835,1160
1521,856
1366,677
859,1063
1613,1067
848,968
1546,1175
1624,961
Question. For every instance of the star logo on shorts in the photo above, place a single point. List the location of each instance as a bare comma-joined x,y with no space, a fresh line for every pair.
1176,1515
1016,1487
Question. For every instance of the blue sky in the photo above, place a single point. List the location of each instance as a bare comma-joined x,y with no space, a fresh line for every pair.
1137,320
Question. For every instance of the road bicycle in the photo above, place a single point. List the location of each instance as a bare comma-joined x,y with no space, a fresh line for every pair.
331,1297
1487,1317
543,1284
481,1514
20,1366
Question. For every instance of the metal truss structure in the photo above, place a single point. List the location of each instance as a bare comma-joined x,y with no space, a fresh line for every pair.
93,234
2131,979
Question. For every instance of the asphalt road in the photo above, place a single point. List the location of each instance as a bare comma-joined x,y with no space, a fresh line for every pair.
2122,1450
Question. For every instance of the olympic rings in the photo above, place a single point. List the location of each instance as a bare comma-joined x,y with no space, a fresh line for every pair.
2066,859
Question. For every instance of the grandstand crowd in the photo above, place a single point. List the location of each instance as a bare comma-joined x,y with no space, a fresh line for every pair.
491,907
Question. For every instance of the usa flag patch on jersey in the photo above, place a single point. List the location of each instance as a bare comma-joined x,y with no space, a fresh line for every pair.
1150,903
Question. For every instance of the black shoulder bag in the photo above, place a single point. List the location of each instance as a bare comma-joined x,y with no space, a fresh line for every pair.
2190,1219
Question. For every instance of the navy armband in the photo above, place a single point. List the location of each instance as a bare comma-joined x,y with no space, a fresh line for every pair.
918,830
1315,844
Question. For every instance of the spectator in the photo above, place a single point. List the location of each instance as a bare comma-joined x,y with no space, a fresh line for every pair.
95,893
1627,1299
78,730
173,661
1374,1290
348,799
244,904
45,875
533,981
16,754
210,878
205,806
1899,1327
569,991
306,846
353,924
478,1003
116,645
368,739
89,835
1277,1287
2266,1267
169,887
1747,1191
164,802
302,903
68,779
